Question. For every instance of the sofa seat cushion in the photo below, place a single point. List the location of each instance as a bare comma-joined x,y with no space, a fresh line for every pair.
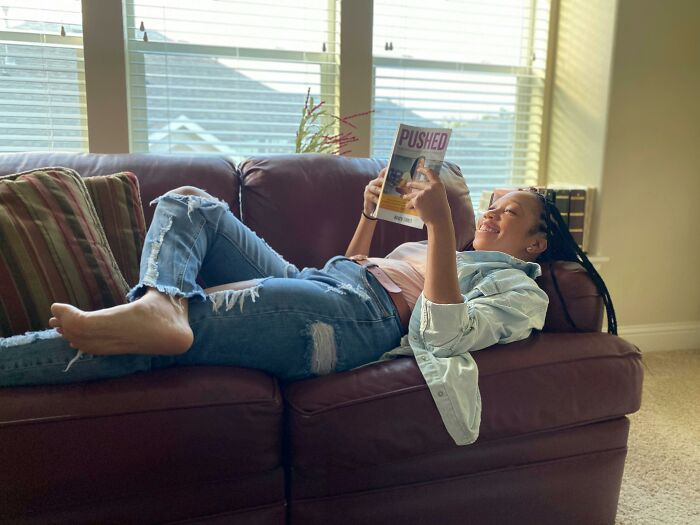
142,434
382,413
478,477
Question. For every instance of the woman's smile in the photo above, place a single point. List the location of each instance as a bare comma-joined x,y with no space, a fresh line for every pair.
488,227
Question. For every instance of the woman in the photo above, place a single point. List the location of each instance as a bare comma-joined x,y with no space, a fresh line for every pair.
264,313
402,187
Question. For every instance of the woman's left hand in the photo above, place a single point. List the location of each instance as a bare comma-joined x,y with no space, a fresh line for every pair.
429,199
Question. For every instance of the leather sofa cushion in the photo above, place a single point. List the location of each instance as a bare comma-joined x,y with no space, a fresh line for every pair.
122,438
307,206
478,478
384,413
583,302
157,174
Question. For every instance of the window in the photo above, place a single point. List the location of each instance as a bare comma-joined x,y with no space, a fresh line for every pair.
228,77
42,78
475,66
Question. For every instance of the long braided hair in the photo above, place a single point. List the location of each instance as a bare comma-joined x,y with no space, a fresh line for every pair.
561,246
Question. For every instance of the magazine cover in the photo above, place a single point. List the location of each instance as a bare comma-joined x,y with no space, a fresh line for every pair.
413,148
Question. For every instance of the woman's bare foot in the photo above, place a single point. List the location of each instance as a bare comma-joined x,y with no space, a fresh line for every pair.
153,324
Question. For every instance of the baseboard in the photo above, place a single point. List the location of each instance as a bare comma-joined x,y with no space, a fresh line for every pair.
662,336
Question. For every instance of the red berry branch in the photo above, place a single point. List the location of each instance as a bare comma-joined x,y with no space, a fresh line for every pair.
316,133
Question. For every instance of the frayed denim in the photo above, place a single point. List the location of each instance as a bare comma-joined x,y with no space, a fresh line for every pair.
292,323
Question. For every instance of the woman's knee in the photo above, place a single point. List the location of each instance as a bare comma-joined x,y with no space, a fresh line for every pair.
191,190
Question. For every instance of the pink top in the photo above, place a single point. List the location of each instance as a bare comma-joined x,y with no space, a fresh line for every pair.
406,267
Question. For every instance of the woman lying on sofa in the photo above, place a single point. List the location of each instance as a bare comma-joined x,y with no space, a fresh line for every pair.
263,312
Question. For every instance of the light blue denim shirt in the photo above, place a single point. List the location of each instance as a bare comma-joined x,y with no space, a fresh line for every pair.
502,303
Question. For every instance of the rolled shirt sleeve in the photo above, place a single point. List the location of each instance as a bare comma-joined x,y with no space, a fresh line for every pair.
505,307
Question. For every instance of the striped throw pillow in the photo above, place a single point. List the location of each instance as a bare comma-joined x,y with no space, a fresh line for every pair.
52,249
118,204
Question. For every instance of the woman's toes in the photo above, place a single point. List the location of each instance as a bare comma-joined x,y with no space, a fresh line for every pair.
58,310
68,317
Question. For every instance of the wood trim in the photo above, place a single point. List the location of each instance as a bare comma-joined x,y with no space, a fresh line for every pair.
105,76
663,336
356,69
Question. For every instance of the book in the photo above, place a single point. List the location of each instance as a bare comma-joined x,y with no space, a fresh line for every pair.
413,148
577,209
561,198
588,220
580,212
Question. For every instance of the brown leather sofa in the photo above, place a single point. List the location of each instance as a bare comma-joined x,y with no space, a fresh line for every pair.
229,445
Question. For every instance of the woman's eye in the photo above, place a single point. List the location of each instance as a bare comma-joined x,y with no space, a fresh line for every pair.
511,211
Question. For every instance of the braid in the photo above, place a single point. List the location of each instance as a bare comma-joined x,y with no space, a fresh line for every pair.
561,246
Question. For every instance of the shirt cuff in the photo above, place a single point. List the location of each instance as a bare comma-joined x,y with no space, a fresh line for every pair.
442,325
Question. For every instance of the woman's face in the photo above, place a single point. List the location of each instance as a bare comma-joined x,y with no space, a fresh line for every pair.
507,225
418,164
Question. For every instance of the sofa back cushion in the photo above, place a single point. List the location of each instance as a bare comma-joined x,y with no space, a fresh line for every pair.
155,447
157,174
308,227
307,206
53,250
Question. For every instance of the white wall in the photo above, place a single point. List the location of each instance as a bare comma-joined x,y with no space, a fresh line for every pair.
636,135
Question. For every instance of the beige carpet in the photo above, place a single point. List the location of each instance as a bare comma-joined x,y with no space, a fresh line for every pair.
662,473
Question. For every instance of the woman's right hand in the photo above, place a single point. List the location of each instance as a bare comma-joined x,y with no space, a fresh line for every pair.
372,192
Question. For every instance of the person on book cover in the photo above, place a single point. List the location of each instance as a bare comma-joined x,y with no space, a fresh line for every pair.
398,176
408,176
260,311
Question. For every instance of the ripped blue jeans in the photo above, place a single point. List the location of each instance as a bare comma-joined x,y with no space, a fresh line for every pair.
292,323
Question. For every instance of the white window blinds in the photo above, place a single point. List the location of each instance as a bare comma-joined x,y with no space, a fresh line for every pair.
476,66
228,77
42,77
